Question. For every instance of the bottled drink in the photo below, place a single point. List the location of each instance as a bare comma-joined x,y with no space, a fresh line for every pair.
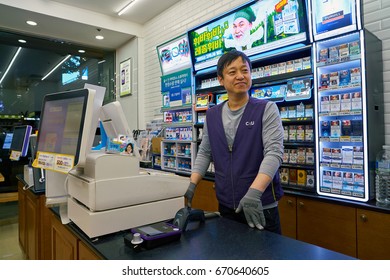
382,178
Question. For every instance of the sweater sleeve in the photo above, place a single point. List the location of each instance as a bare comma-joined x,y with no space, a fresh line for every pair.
272,140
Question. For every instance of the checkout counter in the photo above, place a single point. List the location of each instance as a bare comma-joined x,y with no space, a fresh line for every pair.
215,239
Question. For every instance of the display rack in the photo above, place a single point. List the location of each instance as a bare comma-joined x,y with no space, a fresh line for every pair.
349,97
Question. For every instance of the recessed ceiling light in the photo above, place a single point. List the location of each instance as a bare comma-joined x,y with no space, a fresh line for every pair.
99,37
81,51
30,22
22,41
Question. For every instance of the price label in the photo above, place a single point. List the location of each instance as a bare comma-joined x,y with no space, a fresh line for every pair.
64,163
15,155
55,162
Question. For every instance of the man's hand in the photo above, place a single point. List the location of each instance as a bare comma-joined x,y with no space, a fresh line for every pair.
190,194
253,208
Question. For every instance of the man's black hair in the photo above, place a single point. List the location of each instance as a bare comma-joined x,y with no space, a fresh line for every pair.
227,58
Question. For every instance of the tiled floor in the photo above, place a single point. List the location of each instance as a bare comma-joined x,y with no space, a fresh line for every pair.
9,242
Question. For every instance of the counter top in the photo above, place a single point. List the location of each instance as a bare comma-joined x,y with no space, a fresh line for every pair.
216,239
369,205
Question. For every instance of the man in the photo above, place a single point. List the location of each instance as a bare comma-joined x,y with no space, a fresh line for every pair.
241,37
244,137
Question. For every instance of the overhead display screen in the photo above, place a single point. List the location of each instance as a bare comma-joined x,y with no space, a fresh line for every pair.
254,28
174,55
333,17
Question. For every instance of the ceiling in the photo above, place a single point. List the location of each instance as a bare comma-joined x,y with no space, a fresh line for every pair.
65,26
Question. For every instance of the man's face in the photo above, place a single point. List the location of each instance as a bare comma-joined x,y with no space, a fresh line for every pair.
241,30
236,77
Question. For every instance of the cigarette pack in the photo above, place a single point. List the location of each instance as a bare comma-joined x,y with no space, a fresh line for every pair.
325,104
327,180
356,77
335,103
309,110
309,133
267,70
301,177
300,133
309,156
292,112
346,128
284,172
324,80
326,155
292,133
282,67
343,50
306,62
293,156
274,69
325,128
301,156
336,155
283,112
345,77
337,180
292,176
356,101
310,178
345,103
347,152
298,64
335,128
333,53
334,79
358,155
300,110
354,48
286,156
357,127
290,66
323,55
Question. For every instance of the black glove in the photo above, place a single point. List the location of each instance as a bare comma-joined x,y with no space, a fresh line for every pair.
190,194
253,208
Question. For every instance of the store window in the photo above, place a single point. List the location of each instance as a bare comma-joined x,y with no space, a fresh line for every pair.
24,85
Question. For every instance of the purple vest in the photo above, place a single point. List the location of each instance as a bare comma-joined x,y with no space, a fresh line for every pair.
236,170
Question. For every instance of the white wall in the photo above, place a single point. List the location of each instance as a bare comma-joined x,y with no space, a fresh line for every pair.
377,20
189,13
129,103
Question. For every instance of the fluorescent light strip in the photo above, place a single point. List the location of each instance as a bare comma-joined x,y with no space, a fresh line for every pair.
125,8
10,64
52,70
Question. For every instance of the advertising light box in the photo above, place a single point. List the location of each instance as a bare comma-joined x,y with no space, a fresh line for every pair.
254,28
334,17
174,55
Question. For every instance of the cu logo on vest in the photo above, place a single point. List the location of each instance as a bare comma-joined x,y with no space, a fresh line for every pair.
250,124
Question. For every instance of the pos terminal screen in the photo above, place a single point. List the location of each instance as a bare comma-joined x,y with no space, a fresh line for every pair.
61,127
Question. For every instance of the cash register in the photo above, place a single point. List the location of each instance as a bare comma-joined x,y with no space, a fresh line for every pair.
103,193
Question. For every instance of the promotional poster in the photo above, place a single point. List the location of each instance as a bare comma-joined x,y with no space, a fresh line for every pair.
176,88
262,26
